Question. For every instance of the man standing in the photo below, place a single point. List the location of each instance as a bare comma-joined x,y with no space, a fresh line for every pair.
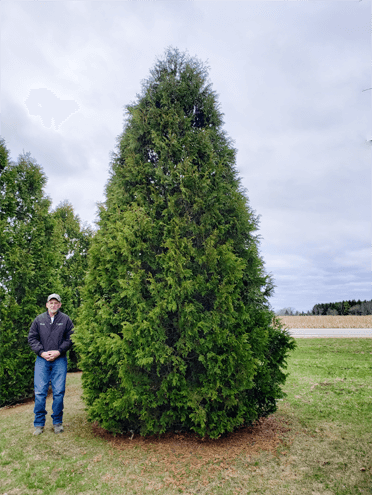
49,338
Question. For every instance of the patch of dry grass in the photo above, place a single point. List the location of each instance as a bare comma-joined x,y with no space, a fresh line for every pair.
312,321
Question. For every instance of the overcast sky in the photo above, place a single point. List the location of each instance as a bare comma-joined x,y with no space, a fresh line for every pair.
290,77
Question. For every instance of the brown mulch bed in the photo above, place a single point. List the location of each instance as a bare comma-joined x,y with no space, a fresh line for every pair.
265,435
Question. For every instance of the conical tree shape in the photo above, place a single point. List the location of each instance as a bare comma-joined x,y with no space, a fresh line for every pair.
176,330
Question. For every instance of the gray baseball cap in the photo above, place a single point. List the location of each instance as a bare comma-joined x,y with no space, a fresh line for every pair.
54,296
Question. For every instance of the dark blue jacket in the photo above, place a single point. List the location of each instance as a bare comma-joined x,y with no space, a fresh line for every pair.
47,336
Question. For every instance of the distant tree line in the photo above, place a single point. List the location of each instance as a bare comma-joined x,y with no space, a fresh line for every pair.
350,307
41,251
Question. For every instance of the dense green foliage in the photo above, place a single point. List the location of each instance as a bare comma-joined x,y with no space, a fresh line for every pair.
75,239
29,261
175,330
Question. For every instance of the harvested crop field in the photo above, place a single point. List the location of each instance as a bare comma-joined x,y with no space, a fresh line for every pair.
349,321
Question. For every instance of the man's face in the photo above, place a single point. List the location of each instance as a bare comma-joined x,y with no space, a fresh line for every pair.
53,306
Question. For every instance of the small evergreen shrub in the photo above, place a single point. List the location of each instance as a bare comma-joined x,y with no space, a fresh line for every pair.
175,330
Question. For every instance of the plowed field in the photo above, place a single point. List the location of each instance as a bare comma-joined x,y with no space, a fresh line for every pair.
348,321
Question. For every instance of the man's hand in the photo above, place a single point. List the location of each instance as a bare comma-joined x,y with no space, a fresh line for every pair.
50,355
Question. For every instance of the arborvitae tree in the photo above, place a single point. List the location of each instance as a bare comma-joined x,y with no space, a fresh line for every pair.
76,238
176,331
29,260
75,241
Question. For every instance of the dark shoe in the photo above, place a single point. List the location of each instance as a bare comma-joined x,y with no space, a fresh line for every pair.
58,428
38,430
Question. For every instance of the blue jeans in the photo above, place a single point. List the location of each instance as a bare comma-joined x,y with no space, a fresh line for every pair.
45,372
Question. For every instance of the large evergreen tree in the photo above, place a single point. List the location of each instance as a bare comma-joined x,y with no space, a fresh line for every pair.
29,261
176,329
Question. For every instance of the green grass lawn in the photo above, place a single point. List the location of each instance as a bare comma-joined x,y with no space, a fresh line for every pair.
326,447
